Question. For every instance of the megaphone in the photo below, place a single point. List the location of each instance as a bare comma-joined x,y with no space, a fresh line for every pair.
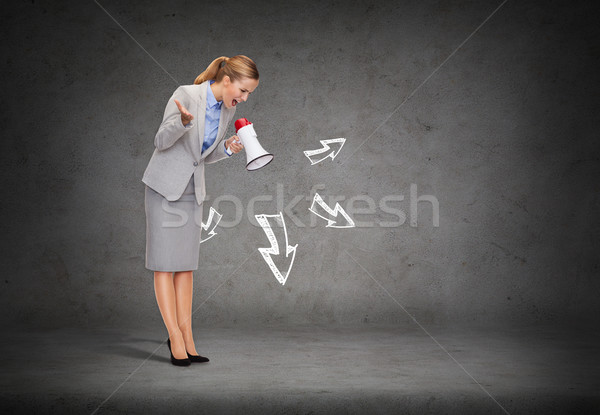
256,156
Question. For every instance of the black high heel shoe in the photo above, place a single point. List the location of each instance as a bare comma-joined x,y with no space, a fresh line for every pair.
178,362
197,358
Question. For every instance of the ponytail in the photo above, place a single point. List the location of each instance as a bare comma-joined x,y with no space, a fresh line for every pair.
236,67
211,71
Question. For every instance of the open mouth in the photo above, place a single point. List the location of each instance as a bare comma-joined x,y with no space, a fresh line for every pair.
234,102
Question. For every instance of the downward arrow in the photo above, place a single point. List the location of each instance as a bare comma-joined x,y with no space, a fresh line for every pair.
326,148
274,249
206,225
318,200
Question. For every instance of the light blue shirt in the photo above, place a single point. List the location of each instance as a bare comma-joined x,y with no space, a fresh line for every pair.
213,114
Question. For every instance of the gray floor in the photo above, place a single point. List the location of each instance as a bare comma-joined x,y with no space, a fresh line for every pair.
307,369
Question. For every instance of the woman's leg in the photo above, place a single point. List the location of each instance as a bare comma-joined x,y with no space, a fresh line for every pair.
184,290
165,297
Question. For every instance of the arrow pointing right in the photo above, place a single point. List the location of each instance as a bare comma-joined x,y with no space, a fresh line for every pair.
324,149
318,200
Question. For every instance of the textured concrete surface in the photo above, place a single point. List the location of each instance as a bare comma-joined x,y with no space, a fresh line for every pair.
503,135
305,369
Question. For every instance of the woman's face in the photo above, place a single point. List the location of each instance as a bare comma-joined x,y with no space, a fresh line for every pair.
237,91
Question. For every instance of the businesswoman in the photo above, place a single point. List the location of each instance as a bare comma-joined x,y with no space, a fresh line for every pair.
192,134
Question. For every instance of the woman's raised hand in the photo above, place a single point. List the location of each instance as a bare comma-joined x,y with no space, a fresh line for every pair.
186,117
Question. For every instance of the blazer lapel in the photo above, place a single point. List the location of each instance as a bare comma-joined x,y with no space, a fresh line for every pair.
223,122
201,112
224,119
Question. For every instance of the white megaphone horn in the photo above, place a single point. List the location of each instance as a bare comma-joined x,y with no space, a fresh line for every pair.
256,156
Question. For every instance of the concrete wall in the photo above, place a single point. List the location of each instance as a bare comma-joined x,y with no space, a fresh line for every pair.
503,135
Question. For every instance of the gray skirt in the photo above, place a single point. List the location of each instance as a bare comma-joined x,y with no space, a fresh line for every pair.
173,231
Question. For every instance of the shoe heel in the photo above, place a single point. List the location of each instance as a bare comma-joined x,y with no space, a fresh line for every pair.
178,362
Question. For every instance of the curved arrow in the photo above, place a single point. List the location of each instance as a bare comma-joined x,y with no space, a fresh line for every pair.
333,212
206,225
325,144
274,249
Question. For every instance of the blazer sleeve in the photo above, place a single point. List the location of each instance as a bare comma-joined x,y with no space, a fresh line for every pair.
172,129
217,154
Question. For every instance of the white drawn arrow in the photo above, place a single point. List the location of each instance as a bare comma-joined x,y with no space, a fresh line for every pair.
206,225
326,148
274,249
333,212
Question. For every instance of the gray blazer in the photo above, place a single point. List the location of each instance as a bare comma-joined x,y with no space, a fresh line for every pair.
178,153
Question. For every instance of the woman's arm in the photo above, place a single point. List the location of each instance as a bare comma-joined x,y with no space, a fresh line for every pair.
172,128
219,153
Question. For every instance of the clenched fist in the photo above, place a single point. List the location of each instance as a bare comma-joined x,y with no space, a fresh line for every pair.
233,144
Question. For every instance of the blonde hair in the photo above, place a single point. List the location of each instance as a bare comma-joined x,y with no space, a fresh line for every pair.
236,67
